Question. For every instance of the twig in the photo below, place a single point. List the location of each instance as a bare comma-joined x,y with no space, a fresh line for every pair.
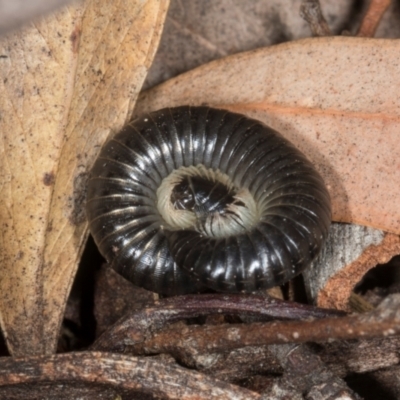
136,327
310,10
126,373
382,322
373,17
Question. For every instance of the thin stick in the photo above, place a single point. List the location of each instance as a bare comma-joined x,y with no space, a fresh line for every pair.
373,17
185,341
310,10
136,326
147,376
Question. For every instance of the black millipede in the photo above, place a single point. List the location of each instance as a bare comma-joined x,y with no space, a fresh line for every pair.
195,197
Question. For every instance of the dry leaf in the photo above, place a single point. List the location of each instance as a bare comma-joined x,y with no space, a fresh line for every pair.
199,31
66,82
335,98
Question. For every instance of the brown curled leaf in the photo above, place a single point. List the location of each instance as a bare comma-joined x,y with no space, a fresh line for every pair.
349,253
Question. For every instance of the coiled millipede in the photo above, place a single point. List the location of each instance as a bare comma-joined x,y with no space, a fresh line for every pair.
192,197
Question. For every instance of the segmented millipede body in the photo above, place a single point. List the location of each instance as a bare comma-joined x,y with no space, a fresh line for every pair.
191,197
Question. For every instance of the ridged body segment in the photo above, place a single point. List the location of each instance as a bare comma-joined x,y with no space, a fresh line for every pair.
291,197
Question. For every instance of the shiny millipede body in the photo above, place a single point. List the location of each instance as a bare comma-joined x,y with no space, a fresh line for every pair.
192,197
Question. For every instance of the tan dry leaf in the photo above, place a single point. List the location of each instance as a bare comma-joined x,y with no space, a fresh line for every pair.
336,98
66,82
